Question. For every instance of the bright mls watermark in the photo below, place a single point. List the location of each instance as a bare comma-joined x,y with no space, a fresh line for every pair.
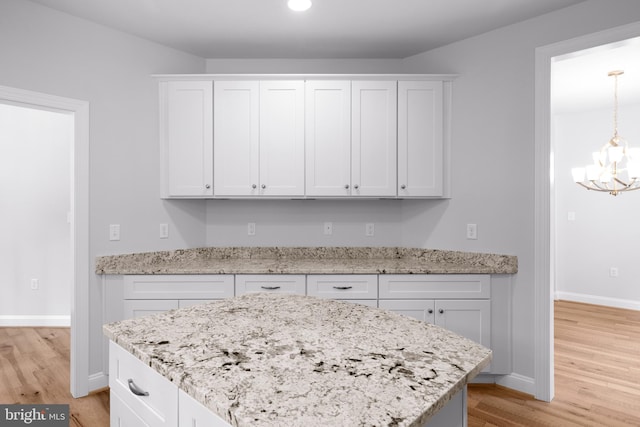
34,415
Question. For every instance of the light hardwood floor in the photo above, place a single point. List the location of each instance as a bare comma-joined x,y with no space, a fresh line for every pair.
597,379
597,375
34,368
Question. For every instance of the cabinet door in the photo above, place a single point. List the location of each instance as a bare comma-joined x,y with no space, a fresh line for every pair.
192,413
120,415
328,138
138,308
373,127
282,138
418,309
420,139
469,318
186,138
236,138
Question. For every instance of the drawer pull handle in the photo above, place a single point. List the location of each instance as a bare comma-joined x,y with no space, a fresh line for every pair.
270,288
135,390
343,288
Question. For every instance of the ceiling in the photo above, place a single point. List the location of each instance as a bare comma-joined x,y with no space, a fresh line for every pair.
330,29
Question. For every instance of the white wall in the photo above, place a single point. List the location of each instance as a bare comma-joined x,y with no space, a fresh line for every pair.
35,157
493,148
605,232
51,52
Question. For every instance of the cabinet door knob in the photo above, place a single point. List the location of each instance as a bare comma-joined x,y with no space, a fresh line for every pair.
441,311
356,186
346,186
430,311
264,186
403,186
254,186
207,186
135,389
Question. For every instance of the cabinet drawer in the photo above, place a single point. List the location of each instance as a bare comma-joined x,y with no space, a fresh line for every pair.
132,309
343,286
121,415
284,283
178,286
160,407
434,286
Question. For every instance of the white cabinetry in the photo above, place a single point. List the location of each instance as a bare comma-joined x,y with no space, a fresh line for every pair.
259,138
186,138
420,139
360,289
373,138
145,295
460,303
328,138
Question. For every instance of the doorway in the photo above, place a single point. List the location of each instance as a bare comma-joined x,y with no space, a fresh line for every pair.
78,218
545,223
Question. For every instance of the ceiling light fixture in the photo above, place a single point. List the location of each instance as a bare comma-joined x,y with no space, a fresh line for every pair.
605,174
299,5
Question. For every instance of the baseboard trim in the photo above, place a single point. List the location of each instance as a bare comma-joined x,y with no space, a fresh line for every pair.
98,381
518,382
35,320
598,300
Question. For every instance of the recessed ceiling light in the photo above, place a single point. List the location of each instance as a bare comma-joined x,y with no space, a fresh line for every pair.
299,5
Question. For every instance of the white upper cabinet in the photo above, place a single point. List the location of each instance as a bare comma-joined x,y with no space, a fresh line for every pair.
328,138
186,138
236,138
282,138
373,138
259,138
420,139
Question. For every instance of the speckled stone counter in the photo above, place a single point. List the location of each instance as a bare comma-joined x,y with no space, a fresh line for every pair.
307,260
274,360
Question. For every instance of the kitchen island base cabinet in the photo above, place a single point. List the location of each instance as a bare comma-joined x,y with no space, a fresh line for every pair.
166,405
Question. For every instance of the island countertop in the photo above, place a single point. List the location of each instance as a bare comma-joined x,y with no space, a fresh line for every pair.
268,359
307,260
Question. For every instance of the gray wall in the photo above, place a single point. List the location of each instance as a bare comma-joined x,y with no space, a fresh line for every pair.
493,146
492,150
50,52
605,232
35,147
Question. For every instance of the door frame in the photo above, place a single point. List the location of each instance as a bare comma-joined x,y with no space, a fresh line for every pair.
80,278
544,255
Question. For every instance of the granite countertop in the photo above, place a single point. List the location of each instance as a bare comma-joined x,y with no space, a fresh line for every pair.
271,360
307,260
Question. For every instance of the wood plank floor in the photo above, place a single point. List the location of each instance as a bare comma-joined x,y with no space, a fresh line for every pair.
597,371
34,368
597,375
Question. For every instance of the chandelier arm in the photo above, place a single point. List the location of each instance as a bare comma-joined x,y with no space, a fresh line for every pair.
594,188
619,181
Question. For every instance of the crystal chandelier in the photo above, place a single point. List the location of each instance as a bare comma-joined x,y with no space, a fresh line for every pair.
613,162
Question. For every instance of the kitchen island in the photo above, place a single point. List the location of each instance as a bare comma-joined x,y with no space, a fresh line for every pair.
273,359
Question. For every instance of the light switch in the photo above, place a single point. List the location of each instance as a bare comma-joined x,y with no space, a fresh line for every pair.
164,231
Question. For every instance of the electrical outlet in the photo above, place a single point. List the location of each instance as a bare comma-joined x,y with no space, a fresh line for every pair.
613,272
369,229
114,232
164,231
35,284
472,231
251,229
327,229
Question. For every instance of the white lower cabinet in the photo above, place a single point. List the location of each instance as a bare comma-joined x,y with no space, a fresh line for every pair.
143,397
194,414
